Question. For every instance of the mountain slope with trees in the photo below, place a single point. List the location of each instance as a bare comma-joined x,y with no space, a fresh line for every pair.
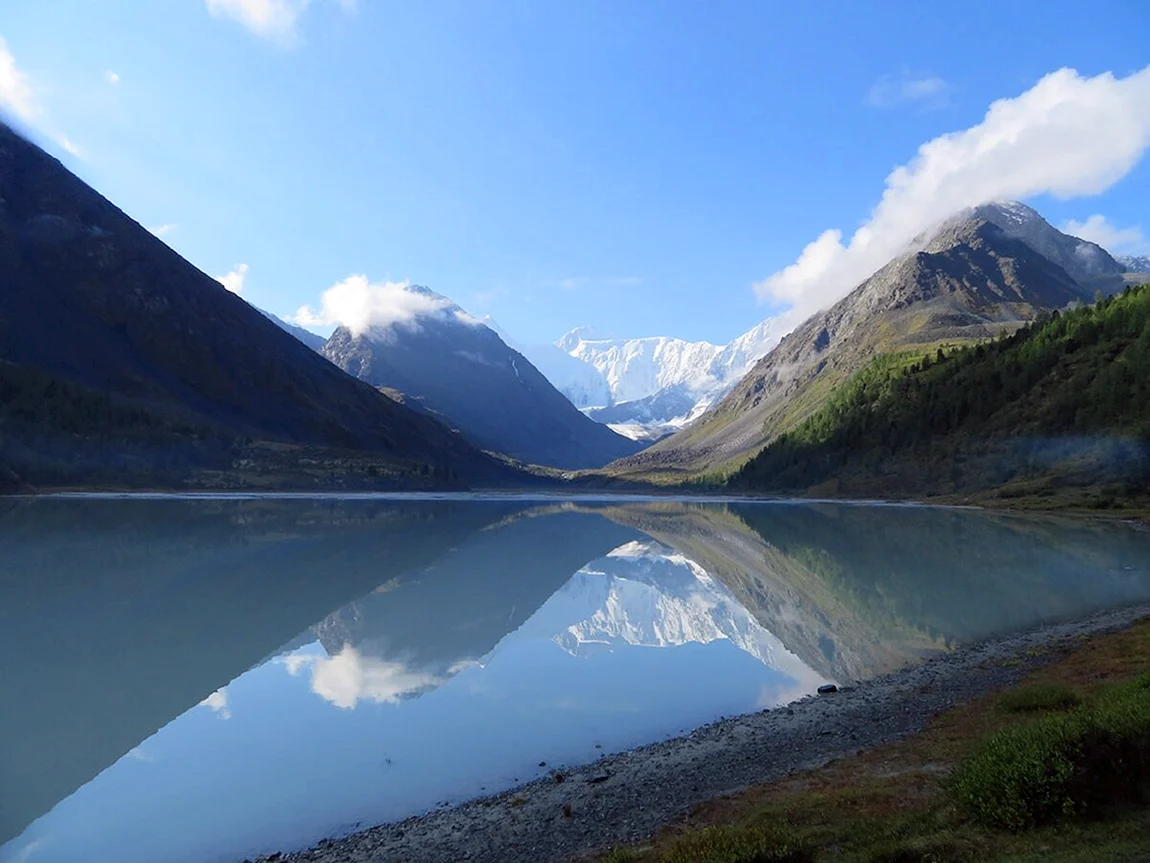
1063,403
970,280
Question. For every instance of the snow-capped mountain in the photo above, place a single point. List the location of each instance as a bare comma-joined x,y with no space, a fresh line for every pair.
1134,263
658,385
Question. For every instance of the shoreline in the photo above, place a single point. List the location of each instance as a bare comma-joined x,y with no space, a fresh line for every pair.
626,797
1137,513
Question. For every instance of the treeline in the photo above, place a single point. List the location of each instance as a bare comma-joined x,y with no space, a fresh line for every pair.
1080,376
53,431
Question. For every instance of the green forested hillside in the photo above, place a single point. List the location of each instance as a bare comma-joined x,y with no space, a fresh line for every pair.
1062,403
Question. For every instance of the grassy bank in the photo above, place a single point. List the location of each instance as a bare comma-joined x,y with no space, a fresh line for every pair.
961,790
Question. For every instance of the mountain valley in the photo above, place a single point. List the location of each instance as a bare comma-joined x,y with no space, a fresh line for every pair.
122,364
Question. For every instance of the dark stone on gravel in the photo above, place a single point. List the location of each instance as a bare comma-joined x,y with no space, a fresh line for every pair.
828,689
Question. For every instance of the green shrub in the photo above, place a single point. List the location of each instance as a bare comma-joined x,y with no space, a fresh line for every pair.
723,844
623,855
1038,697
925,849
1061,765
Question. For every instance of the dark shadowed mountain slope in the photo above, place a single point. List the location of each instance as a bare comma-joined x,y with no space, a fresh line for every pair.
971,281
458,369
312,340
1087,263
90,297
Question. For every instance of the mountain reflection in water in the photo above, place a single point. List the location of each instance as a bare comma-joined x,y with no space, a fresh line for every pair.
211,679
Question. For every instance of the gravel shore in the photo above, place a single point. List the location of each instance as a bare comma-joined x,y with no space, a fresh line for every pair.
627,797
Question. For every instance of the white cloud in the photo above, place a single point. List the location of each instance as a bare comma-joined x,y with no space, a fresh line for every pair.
111,77
234,281
16,95
217,702
1097,229
361,305
275,20
270,19
1067,136
350,677
161,230
65,142
18,99
890,91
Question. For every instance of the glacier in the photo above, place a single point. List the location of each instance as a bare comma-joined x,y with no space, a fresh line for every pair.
645,388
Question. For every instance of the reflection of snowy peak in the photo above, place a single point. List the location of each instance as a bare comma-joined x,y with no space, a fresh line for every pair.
643,594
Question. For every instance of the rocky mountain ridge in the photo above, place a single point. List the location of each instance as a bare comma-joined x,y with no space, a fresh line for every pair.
971,279
451,365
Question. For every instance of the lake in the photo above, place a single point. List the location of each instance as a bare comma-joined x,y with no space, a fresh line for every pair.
207,679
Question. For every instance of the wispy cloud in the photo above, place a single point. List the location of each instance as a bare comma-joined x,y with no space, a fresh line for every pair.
234,281
111,77
67,143
891,91
163,230
1046,140
275,20
1098,229
18,98
268,19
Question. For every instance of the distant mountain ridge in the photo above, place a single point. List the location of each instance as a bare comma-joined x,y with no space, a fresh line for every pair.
462,371
312,340
1134,263
977,276
646,387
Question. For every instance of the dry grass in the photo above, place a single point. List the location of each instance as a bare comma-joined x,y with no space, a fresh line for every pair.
890,804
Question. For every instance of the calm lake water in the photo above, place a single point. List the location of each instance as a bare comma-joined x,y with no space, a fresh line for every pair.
209,679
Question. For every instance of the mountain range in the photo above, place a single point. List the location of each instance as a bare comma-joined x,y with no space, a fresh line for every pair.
645,388
1134,263
121,363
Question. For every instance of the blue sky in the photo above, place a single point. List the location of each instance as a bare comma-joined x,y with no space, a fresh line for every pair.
638,166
